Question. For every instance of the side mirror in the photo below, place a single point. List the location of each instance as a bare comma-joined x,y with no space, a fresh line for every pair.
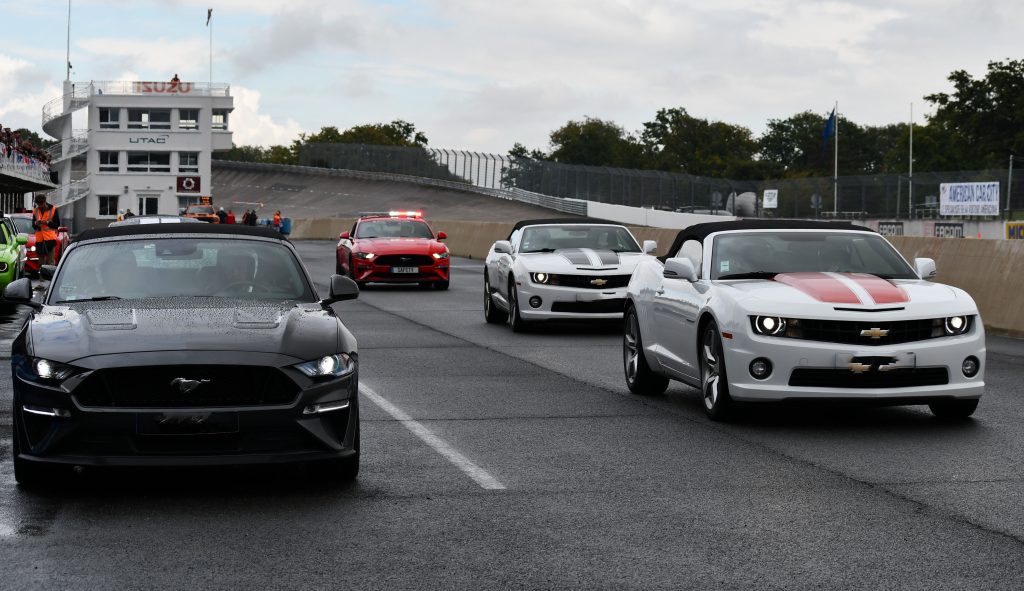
442,236
342,288
680,268
181,211
503,247
925,268
20,292
46,272
650,247
344,235
21,238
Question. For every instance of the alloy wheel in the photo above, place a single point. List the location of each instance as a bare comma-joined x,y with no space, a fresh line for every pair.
711,367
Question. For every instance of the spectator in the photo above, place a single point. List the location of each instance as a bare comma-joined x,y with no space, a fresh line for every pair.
120,215
277,220
231,217
175,82
253,218
128,213
223,217
45,220
245,218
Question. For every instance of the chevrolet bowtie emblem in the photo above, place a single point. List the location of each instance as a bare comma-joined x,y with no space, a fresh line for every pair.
875,333
859,367
598,282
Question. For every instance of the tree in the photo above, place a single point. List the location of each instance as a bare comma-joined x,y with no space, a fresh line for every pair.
595,143
678,142
983,117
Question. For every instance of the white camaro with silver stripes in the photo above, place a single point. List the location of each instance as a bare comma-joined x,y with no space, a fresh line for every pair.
763,310
560,269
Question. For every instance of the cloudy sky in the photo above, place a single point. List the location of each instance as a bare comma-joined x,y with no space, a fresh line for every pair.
481,75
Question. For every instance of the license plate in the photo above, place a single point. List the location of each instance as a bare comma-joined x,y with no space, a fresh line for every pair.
869,363
187,423
405,269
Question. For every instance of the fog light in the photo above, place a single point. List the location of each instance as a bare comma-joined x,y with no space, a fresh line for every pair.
971,366
535,302
315,409
760,368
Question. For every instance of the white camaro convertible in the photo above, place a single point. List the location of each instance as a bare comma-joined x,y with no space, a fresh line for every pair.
764,310
560,269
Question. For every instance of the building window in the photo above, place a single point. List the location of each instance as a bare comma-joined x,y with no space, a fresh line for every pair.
184,202
108,204
188,161
188,118
110,118
220,120
110,162
149,119
149,204
149,162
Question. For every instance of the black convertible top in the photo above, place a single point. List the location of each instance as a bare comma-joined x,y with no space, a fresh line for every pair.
577,220
141,229
702,231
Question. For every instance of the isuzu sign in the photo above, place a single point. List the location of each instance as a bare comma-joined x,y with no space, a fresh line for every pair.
969,198
161,87
188,184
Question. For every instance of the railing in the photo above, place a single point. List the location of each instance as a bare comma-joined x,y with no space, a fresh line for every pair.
77,98
77,144
23,166
69,193
147,88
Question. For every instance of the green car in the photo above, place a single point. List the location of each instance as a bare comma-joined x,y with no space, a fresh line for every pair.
12,252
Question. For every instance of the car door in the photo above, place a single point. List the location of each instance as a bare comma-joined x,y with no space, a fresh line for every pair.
502,268
675,306
345,247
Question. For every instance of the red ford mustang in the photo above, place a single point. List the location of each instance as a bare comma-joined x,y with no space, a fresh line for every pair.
394,247
23,221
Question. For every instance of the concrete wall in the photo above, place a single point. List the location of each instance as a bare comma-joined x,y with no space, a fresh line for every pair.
992,271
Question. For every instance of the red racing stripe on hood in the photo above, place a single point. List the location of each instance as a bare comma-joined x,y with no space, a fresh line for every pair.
880,290
820,286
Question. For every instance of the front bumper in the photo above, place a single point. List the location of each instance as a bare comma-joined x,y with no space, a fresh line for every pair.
368,272
788,355
566,303
223,435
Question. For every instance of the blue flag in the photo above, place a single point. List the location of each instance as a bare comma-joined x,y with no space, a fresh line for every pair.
829,131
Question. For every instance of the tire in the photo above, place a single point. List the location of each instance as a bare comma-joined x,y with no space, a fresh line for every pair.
344,470
953,410
29,474
640,379
441,285
491,312
718,405
515,320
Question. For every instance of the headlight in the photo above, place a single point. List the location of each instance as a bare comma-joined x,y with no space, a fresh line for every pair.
366,256
957,325
45,370
769,325
31,249
540,277
3,267
329,366
441,255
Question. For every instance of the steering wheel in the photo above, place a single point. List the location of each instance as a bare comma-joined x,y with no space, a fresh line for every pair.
231,288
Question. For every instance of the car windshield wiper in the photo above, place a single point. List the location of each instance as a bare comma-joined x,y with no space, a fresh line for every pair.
538,250
751,275
95,299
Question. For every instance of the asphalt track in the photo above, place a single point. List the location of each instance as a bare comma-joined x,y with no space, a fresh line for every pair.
499,460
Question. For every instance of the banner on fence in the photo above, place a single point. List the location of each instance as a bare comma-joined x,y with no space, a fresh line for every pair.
969,198
1015,230
890,228
949,230
771,199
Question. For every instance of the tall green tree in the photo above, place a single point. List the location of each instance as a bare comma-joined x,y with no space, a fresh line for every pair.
675,141
595,142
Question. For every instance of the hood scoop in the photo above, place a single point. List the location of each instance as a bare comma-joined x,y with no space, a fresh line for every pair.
112,319
257,318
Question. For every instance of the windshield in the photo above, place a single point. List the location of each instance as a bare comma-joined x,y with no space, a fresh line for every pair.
205,209
754,255
180,267
24,225
393,229
552,238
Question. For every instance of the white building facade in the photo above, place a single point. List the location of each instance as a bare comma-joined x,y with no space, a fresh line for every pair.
147,146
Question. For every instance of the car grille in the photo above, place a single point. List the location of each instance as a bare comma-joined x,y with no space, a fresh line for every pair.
849,332
152,387
586,281
599,307
844,378
403,260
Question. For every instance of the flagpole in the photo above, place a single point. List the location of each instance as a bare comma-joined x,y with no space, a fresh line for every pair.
835,173
209,23
67,60
910,193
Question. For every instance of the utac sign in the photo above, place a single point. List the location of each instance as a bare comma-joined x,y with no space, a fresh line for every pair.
969,198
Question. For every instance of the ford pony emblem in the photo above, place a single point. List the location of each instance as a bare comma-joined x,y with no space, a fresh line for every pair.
187,386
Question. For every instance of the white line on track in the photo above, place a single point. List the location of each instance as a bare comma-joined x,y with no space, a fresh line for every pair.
478,474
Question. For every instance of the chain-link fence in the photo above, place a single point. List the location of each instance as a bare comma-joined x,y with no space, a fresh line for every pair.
855,197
